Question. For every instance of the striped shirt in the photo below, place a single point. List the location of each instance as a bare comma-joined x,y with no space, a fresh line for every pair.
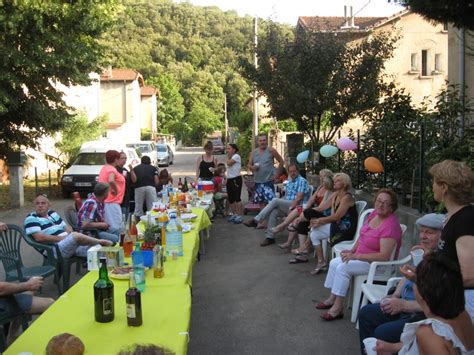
293,187
92,210
52,224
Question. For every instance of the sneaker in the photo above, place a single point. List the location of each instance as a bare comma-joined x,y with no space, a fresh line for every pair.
267,241
238,220
251,223
231,218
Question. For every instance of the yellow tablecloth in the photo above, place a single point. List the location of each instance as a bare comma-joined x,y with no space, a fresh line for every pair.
166,309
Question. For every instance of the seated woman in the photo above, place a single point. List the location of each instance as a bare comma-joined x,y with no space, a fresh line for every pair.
448,328
316,201
340,225
321,194
164,178
378,236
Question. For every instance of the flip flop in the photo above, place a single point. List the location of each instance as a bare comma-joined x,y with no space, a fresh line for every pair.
328,317
291,228
298,260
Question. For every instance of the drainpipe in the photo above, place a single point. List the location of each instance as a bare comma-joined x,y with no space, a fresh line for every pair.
462,78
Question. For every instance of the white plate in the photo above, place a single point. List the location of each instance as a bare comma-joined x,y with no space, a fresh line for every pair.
188,216
187,227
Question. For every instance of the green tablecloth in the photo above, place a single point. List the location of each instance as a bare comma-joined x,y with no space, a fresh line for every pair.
166,309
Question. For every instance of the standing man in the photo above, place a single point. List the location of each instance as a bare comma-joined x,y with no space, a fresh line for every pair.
146,178
297,193
125,205
261,163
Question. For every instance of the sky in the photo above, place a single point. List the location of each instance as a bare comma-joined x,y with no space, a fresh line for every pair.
288,11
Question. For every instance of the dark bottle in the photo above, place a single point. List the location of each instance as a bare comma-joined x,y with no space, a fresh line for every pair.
134,303
104,295
180,184
185,186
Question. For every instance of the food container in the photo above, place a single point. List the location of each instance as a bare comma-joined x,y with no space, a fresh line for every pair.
206,186
114,256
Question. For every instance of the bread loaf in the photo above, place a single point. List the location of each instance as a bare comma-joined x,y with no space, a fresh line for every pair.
65,344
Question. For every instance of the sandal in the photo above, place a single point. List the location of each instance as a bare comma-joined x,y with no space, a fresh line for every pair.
291,228
319,268
329,317
298,252
322,305
299,259
284,246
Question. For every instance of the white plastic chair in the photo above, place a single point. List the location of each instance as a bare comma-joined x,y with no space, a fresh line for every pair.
349,244
384,275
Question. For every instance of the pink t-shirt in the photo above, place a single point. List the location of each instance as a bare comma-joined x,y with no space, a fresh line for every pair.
119,181
369,240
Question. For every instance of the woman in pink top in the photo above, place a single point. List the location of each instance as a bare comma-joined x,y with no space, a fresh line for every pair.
378,236
110,175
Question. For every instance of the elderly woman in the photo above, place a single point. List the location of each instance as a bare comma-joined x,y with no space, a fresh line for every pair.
340,225
316,202
379,235
453,185
448,328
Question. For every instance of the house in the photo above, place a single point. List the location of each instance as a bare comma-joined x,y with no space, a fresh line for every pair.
148,101
120,100
461,65
420,59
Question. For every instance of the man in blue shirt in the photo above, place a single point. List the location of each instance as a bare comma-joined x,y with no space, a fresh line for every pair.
297,193
386,321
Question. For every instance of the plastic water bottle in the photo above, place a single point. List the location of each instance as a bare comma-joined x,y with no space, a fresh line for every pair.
138,268
174,237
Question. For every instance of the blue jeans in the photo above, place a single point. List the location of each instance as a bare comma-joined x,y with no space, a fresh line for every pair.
110,234
374,323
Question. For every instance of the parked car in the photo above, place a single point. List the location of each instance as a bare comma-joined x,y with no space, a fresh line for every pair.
146,148
83,173
165,154
217,146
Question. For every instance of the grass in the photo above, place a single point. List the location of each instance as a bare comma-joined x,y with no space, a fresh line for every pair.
53,192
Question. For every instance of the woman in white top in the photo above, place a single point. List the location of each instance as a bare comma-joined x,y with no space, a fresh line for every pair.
448,328
234,183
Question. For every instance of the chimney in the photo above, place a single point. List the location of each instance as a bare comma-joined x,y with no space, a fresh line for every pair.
352,18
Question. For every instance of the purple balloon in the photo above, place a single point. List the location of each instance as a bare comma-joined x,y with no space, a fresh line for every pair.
346,144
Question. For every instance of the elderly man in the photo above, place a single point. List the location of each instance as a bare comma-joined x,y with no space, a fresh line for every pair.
297,192
46,226
91,214
386,322
17,298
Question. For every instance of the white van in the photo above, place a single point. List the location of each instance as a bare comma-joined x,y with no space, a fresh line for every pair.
146,148
83,174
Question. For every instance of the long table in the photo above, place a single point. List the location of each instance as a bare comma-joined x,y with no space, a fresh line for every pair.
166,305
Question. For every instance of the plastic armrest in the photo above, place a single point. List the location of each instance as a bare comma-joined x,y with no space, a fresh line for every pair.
17,265
393,281
375,264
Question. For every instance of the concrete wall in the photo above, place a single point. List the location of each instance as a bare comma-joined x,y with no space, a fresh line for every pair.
417,34
148,112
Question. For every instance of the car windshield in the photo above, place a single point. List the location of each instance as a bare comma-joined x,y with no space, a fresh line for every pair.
143,148
90,159
217,142
161,148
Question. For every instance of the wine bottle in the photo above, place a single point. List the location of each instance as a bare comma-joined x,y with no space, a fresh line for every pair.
180,185
133,300
104,295
185,186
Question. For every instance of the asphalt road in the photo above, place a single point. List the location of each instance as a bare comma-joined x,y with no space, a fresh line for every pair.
246,299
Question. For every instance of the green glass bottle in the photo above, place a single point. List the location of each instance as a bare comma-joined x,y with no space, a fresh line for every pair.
104,295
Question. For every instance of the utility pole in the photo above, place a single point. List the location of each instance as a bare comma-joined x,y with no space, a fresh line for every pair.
255,97
226,123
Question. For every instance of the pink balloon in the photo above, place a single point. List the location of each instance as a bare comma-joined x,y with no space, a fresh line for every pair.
346,144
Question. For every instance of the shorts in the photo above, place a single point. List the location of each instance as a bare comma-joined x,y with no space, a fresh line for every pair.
264,192
16,304
234,189
69,247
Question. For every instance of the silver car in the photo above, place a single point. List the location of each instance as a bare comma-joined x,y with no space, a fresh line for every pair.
165,154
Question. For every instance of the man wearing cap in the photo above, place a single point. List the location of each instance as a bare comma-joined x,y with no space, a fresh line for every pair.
385,322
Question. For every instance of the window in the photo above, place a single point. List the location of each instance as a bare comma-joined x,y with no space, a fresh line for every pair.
438,64
414,62
424,62
445,26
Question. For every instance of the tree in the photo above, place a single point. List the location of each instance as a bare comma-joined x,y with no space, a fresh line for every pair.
77,131
311,76
459,13
41,43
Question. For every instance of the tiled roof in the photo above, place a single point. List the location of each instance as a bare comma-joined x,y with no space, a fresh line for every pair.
334,23
120,75
148,91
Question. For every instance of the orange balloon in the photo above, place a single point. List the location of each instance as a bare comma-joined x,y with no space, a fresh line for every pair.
373,165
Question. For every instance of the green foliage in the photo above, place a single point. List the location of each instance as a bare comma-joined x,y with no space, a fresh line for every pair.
244,142
191,54
43,42
242,119
145,134
459,13
308,75
78,131
201,122
287,125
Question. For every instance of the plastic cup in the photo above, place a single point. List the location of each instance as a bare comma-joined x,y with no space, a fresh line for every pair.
370,344
417,256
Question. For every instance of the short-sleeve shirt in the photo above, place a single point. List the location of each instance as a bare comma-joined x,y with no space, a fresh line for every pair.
369,240
295,186
460,224
92,210
51,224
145,175
234,170
119,181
